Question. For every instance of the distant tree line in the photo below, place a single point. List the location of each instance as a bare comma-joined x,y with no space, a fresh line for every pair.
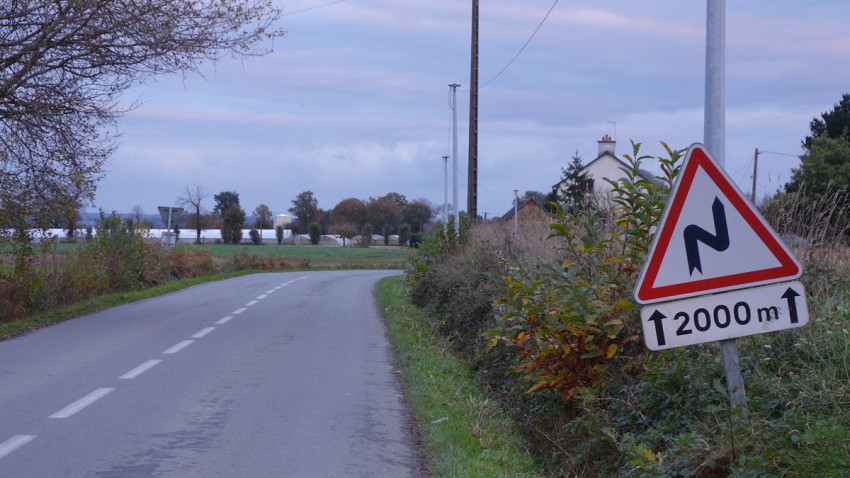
386,215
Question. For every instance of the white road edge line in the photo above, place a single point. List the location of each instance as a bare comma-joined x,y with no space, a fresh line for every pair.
82,403
239,310
140,369
270,291
223,320
262,296
182,345
203,332
14,443
250,303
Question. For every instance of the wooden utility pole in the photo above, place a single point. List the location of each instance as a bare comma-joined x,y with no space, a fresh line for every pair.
472,176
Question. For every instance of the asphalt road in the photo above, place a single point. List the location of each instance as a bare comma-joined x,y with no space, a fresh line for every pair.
268,375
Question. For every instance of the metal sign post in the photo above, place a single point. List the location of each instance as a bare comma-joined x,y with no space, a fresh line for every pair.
169,215
715,140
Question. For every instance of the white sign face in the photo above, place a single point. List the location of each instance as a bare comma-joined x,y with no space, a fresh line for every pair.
710,239
724,316
709,219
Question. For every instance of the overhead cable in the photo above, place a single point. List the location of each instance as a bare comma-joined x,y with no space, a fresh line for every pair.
313,8
523,46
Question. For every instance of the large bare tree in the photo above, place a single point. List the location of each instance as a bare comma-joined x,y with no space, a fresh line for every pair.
64,65
193,198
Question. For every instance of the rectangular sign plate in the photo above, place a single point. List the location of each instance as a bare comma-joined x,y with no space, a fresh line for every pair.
724,316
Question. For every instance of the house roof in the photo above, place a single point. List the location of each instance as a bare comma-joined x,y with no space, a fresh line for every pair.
644,174
523,202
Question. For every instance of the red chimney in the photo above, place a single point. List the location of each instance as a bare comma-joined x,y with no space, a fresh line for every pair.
606,145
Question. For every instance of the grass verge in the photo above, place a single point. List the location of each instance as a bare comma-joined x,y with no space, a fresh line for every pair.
44,319
464,432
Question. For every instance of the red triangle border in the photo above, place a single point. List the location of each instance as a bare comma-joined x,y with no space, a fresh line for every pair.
646,292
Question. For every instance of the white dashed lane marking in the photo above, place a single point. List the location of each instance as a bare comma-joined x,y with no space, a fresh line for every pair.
182,345
82,403
140,369
203,332
18,441
14,443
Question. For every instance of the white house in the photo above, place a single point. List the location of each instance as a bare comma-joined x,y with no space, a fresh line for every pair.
606,166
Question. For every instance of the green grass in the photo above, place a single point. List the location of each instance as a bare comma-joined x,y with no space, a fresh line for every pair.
381,253
45,247
465,433
311,252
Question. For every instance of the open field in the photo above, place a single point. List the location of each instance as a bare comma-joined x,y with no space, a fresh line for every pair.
380,257
312,252
308,257
62,274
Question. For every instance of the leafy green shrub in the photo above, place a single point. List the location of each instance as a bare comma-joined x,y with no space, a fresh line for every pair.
124,257
462,294
118,257
243,260
188,262
568,320
315,233
446,239
21,293
568,329
231,225
254,234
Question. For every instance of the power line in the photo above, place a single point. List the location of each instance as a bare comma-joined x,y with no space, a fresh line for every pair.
314,7
780,154
523,46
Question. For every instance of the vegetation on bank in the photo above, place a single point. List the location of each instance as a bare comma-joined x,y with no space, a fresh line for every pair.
545,318
45,278
11,328
464,431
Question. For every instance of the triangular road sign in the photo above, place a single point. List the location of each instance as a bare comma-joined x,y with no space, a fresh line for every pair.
710,239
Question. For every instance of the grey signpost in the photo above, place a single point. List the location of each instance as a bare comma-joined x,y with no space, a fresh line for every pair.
169,215
716,270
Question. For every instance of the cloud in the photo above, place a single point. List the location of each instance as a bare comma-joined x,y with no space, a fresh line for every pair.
354,101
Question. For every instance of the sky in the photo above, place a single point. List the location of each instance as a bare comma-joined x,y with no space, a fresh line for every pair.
354,101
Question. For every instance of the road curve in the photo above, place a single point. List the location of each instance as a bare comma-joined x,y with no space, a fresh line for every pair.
267,375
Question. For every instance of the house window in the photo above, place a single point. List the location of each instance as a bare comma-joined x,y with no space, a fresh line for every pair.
590,188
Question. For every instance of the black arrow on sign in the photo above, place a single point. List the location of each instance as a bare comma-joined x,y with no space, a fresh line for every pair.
657,317
791,296
719,241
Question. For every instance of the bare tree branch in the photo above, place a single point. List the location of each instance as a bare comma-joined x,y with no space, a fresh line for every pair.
65,64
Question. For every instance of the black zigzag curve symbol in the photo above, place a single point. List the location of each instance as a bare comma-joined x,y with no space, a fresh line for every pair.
719,241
